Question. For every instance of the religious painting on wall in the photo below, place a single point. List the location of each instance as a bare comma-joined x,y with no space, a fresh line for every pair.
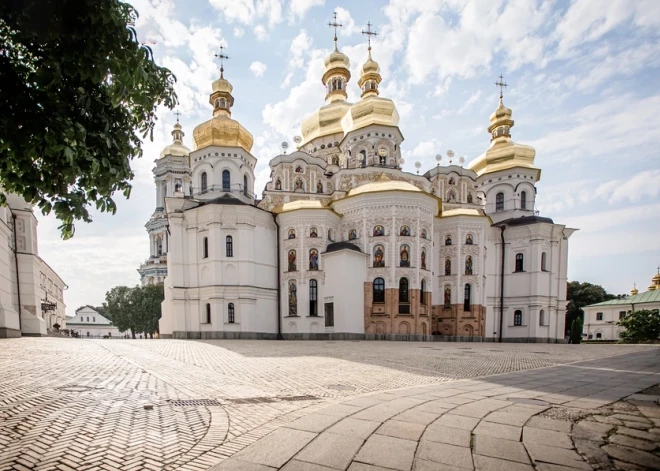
468,239
299,169
352,234
448,266
404,254
448,240
292,260
319,187
312,232
469,198
293,298
292,233
423,259
447,296
278,184
313,259
379,256
424,236
468,265
299,184
405,231
379,231
451,196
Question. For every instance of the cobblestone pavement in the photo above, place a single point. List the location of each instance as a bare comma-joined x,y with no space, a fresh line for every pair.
112,404
565,417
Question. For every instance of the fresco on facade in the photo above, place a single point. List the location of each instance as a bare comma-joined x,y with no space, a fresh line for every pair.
405,231
469,240
448,266
292,260
424,234
448,240
379,231
313,259
423,259
379,256
293,298
352,234
292,233
447,296
312,232
468,265
404,255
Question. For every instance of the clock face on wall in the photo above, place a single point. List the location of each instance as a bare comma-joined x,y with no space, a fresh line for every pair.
382,152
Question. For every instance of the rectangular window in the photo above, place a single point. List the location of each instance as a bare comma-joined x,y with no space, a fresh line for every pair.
330,314
517,318
93,319
599,316
622,315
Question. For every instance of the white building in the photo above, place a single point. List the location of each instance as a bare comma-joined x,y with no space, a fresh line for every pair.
89,323
600,320
344,244
31,293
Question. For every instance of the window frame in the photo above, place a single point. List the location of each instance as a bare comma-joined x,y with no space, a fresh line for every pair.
517,318
313,298
404,291
544,261
378,286
520,263
599,316
205,247
467,298
208,313
226,180
203,184
499,202
422,289
229,246
231,314
523,200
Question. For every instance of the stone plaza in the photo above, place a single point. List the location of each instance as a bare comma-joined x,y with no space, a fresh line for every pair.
75,404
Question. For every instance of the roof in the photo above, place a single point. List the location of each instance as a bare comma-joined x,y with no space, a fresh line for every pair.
525,220
336,246
462,212
224,199
300,204
641,298
383,183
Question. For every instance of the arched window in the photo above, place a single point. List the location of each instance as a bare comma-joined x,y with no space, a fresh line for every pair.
245,185
523,200
422,290
448,240
542,317
208,313
519,262
499,202
230,246
379,290
467,299
205,247
543,262
517,318
203,182
447,266
230,313
469,240
313,298
226,181
403,291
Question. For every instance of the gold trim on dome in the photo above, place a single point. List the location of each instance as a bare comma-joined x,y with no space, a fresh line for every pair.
370,110
224,132
300,205
326,121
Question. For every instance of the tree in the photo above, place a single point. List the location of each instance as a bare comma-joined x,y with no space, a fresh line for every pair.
576,330
147,300
119,304
580,294
77,90
640,326
136,309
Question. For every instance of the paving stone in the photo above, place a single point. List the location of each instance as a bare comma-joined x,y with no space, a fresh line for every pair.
557,439
457,421
487,463
233,464
366,467
591,452
391,452
625,440
277,448
557,456
456,456
331,450
646,435
339,410
644,397
632,455
632,418
295,465
314,422
425,465
627,466
440,407
399,429
491,429
450,436
354,427
416,416
591,430
549,424
498,448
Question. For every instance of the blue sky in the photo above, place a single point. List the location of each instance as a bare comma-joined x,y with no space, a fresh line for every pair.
583,85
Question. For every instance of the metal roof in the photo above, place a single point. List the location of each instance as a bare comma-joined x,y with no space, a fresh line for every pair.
641,298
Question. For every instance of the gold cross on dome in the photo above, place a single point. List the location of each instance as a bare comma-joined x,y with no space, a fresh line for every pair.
369,33
500,83
177,114
335,25
223,57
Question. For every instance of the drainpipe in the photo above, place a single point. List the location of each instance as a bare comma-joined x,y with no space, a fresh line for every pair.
279,281
18,282
502,228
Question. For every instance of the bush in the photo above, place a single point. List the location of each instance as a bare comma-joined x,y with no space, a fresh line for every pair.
640,326
576,330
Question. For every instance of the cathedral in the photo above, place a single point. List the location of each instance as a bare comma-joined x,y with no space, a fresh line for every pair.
342,243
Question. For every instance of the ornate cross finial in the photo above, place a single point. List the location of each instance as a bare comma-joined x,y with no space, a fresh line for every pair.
369,33
223,57
177,114
500,83
335,25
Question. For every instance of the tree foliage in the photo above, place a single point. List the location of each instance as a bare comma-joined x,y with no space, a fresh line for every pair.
135,309
77,94
580,294
640,326
576,330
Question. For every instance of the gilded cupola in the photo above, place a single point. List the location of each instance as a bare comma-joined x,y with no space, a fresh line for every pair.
503,153
221,130
326,120
177,148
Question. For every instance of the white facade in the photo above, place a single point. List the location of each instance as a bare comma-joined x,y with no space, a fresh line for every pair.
25,275
344,244
89,323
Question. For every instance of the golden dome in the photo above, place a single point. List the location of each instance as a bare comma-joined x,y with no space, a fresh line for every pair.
324,122
634,291
177,148
383,183
337,60
371,66
503,153
222,85
370,110
656,279
222,131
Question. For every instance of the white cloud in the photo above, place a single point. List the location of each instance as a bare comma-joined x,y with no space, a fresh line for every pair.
242,11
260,32
299,8
238,32
470,101
442,87
344,18
258,68
299,49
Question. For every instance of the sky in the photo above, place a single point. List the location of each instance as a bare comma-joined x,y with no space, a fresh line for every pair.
583,82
